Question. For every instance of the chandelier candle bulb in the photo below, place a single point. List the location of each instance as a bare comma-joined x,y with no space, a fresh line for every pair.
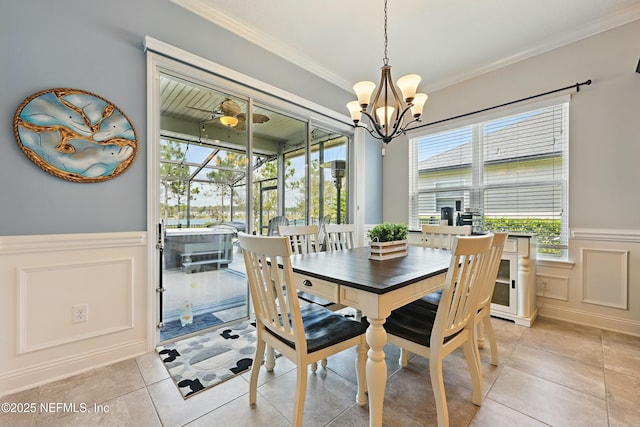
418,104
355,111
384,115
408,86
363,91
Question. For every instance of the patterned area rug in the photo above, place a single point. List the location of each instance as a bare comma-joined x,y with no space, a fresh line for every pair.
203,361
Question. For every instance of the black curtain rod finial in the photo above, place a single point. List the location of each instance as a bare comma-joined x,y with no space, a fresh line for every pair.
588,82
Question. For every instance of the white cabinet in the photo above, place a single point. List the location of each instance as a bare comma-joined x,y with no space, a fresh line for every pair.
514,296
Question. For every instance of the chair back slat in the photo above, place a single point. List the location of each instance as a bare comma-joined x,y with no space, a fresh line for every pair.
339,236
304,238
497,246
463,286
441,236
272,288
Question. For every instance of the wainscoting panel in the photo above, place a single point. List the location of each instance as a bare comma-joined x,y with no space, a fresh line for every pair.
553,287
57,289
604,277
42,279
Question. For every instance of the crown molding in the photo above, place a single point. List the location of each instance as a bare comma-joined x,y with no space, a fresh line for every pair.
263,40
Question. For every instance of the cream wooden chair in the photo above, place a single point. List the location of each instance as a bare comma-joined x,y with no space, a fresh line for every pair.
483,316
435,334
302,335
436,237
304,238
339,236
441,236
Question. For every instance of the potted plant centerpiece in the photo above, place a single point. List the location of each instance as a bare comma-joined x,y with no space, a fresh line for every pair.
388,241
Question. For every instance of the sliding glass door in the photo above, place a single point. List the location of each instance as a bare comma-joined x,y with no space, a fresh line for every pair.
225,159
203,194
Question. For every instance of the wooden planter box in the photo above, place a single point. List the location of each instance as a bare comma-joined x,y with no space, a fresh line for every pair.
388,250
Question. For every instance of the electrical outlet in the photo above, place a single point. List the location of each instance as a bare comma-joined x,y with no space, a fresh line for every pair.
80,313
542,285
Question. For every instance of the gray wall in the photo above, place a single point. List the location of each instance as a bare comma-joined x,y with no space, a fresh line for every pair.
97,47
604,139
373,195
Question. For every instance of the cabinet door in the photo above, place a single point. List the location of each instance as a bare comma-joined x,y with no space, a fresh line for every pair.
505,293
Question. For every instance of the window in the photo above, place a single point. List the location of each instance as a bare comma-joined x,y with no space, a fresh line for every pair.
502,173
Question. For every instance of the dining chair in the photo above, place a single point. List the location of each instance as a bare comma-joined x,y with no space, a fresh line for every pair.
304,238
339,236
301,334
441,236
483,314
435,334
436,237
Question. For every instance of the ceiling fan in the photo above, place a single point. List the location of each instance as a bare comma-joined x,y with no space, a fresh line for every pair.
229,114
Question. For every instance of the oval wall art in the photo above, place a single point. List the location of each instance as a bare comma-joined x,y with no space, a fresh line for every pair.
75,135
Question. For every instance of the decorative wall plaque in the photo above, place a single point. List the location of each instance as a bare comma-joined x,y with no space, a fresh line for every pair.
75,135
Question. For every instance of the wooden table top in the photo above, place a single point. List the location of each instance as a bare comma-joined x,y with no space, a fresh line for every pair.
354,269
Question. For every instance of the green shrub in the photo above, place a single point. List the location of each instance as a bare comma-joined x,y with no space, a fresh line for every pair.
546,230
388,232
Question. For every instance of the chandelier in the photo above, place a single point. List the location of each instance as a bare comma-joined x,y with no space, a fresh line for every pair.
387,111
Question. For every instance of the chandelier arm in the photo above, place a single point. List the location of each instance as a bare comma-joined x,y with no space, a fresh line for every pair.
368,129
372,126
376,135
397,124
396,130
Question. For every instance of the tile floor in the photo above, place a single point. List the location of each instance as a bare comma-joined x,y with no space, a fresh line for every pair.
555,373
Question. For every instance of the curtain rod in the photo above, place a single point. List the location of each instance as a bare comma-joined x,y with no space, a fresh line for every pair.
576,86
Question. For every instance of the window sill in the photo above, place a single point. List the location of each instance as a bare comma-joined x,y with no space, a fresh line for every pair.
554,262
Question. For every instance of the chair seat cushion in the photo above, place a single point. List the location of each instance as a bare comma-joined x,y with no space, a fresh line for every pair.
325,328
413,322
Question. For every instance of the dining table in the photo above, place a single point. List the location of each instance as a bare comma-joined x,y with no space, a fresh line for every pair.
375,287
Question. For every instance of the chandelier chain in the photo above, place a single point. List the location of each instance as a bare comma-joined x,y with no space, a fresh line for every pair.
386,42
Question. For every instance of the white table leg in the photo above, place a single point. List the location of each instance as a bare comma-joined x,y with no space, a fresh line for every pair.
376,370
270,363
361,369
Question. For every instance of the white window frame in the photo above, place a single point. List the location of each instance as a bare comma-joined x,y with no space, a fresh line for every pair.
477,187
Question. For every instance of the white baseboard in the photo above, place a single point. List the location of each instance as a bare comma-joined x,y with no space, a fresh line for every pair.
44,373
610,323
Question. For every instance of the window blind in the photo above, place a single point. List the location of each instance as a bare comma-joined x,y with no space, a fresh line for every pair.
511,171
